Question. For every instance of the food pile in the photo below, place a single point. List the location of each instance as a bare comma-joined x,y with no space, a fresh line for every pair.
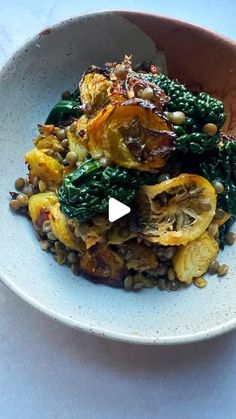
146,140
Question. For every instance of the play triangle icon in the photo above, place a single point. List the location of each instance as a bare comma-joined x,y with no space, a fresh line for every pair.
116,209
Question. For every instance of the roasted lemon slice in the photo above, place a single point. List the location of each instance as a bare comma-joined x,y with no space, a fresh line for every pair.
176,211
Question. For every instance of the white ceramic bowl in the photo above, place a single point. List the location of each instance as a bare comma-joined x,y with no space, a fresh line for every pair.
31,82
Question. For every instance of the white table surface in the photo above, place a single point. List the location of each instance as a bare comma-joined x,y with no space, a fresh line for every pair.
49,371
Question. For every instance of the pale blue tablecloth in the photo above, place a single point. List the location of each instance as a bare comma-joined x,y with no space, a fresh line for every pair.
48,371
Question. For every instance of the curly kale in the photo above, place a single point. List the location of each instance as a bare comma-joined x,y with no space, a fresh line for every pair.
65,109
210,109
195,142
220,165
199,110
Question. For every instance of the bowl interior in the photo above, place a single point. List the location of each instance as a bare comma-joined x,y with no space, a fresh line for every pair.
31,82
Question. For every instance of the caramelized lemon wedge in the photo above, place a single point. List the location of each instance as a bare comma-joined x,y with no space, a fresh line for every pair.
176,211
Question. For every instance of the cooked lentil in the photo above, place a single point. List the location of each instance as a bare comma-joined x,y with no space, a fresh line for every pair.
19,183
230,238
222,270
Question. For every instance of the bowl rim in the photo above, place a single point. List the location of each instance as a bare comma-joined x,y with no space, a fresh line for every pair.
84,326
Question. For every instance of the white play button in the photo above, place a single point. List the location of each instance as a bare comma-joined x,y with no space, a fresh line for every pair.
116,210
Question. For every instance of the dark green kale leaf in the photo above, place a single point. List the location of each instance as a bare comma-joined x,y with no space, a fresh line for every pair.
220,165
86,191
65,110
199,109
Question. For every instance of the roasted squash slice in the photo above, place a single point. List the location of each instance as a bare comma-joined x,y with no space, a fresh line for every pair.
132,134
192,261
94,90
78,141
44,167
103,265
102,86
176,211
47,129
49,142
62,231
40,206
